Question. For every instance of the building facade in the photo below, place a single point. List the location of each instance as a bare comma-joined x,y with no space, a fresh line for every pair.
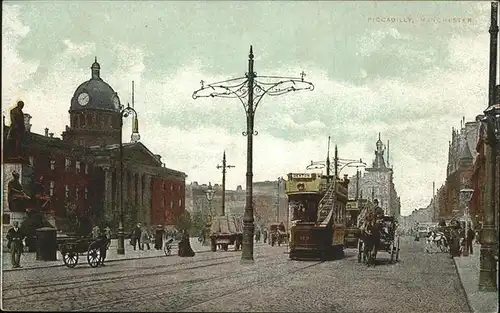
377,182
84,168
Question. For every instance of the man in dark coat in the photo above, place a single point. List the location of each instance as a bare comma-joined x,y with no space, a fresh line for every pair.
15,244
159,233
135,236
16,196
470,238
17,130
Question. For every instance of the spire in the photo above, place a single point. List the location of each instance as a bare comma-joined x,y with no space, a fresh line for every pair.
465,150
96,69
378,135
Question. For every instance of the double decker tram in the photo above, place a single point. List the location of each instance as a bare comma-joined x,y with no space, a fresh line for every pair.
317,204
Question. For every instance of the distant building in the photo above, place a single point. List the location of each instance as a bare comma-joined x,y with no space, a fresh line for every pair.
377,183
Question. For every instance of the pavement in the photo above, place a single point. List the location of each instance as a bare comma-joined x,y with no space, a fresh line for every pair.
29,261
468,271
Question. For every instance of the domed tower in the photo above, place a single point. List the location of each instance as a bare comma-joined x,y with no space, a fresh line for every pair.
94,113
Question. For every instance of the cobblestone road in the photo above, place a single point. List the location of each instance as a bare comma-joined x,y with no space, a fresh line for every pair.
217,282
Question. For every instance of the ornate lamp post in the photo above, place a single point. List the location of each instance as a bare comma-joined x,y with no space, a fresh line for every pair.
466,195
125,112
489,239
250,90
209,193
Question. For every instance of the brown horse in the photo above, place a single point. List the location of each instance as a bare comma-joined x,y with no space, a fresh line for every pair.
371,241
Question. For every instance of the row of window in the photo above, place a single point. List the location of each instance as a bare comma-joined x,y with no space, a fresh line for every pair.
171,203
79,166
171,187
78,191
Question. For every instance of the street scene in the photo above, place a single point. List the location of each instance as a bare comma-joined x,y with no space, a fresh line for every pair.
250,156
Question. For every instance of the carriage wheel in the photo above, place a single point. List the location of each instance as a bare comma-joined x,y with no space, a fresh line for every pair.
360,250
213,246
94,255
442,246
225,246
397,250
167,249
70,259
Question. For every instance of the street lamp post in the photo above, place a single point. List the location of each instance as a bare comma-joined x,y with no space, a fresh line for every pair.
489,239
224,166
466,195
125,112
209,193
250,90
279,180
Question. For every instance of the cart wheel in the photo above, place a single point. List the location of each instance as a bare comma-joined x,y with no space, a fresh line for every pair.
224,246
360,250
213,246
397,250
94,255
70,259
167,249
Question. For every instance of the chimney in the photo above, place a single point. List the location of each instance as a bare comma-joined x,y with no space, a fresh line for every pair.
51,135
46,132
27,124
158,157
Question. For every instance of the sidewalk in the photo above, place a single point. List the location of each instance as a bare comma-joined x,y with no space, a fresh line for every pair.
468,270
28,260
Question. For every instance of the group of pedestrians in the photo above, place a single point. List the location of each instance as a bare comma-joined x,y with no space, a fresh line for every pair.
141,237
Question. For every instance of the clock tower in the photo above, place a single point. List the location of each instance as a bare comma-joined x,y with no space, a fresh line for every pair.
94,113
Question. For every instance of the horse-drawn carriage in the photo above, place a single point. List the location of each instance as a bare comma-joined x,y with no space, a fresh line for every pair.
379,236
95,249
278,234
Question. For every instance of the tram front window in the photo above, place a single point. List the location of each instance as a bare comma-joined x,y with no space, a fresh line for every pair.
304,208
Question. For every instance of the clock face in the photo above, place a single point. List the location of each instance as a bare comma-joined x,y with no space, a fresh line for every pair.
116,102
83,98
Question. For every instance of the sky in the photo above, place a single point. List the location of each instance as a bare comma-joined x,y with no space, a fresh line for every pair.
404,69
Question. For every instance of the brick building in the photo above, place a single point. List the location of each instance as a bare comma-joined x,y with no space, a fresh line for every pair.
83,168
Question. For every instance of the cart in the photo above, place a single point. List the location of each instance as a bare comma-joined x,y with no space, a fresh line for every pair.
389,242
95,250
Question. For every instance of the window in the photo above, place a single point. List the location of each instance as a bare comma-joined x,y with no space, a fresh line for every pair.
179,187
163,185
86,194
52,188
6,218
164,202
77,165
52,164
86,168
76,193
67,164
32,160
172,187
180,203
171,204
66,191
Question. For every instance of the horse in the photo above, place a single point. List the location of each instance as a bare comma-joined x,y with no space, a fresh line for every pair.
370,235
437,239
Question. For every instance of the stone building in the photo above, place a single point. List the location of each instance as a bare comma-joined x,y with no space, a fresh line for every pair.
459,170
377,183
84,167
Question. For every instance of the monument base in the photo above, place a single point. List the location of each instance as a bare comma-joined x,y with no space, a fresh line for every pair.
25,176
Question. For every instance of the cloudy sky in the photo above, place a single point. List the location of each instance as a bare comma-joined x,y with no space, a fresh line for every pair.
403,69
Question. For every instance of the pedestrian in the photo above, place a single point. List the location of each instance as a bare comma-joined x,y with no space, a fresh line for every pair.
15,244
159,233
145,238
107,232
135,236
95,232
103,240
470,238
264,234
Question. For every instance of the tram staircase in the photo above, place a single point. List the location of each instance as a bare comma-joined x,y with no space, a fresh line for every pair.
326,206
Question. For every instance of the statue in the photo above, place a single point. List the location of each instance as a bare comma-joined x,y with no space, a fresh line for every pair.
17,130
16,195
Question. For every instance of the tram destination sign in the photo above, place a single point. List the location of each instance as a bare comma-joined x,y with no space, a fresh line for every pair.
302,176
